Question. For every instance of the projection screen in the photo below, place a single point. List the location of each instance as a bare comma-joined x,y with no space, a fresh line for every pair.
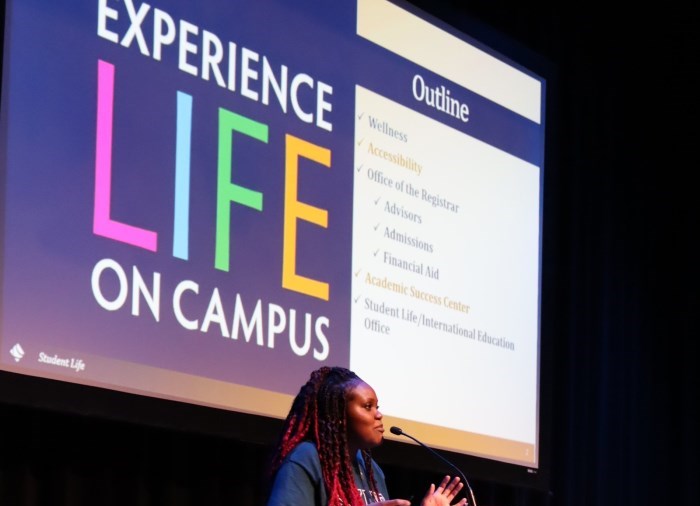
204,201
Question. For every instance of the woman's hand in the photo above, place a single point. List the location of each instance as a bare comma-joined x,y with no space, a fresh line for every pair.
444,494
441,496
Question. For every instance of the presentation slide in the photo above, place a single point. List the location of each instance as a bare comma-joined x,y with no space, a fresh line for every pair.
205,201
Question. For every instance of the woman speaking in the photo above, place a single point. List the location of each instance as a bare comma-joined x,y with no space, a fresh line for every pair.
323,457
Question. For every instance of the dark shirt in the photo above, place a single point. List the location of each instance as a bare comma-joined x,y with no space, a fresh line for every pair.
299,481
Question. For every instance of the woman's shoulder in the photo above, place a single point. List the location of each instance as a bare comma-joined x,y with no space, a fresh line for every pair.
305,454
305,448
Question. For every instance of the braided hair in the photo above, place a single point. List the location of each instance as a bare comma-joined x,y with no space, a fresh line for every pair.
318,414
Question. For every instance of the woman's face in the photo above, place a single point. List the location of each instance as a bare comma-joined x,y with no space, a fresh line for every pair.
365,427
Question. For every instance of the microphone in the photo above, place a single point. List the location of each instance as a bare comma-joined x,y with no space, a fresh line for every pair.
398,432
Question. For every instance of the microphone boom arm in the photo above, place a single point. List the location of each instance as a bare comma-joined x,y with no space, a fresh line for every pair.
397,431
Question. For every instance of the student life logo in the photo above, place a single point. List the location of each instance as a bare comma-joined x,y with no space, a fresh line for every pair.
17,352
76,364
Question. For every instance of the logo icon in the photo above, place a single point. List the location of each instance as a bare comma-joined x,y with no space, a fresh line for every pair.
17,352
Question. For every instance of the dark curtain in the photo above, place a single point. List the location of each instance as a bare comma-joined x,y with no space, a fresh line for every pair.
621,284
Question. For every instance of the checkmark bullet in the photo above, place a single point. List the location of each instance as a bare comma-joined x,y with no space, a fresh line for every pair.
377,226
375,253
359,116
360,167
358,272
357,298
376,201
360,141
